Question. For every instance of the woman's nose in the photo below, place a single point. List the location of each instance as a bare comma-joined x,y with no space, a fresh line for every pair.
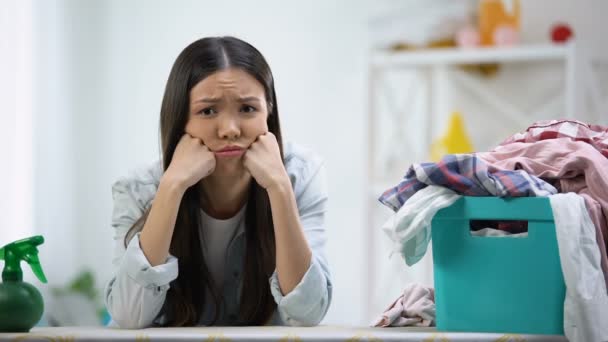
229,128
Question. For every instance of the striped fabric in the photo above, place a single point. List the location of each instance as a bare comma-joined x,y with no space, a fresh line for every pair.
468,175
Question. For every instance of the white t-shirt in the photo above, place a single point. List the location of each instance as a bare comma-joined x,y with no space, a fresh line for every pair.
215,238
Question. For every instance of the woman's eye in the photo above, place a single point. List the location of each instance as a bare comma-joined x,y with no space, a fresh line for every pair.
207,111
248,109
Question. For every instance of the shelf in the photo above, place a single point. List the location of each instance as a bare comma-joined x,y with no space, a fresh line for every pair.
521,53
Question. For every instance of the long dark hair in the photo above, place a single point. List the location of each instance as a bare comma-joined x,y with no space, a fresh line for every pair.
186,297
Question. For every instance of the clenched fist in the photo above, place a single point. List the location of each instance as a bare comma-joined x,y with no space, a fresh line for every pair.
264,163
191,162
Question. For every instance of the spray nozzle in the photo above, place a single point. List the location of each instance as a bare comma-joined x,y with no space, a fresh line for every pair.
24,249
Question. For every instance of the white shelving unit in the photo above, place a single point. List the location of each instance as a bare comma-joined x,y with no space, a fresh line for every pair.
416,58
434,69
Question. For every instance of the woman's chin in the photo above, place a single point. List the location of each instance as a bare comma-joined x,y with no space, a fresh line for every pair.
229,167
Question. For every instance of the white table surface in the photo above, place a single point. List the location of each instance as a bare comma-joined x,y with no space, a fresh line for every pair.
283,334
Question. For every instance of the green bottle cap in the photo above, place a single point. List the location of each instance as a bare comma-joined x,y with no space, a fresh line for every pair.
14,252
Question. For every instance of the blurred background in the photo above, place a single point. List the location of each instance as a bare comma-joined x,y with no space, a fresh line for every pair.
372,86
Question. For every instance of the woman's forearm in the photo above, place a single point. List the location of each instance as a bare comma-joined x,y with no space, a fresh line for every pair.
293,253
155,238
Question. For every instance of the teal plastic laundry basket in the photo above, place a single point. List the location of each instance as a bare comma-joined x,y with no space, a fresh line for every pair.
497,284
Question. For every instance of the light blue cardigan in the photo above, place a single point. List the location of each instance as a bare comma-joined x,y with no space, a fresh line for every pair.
135,296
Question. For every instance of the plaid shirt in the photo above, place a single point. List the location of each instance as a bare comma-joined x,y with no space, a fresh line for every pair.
468,175
595,135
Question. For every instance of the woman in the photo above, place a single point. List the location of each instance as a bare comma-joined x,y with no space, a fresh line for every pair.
229,229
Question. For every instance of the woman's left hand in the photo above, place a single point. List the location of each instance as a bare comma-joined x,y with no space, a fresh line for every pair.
264,163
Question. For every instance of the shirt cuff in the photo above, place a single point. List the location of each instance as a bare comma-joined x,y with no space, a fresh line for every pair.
307,302
137,267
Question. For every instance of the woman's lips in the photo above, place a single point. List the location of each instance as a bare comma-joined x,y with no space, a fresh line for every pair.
230,152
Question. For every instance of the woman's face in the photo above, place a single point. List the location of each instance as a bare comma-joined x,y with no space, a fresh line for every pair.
227,109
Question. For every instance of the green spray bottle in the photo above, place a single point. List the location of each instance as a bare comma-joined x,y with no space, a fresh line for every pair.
21,304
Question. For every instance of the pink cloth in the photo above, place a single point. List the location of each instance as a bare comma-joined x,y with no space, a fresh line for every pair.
416,307
574,166
595,135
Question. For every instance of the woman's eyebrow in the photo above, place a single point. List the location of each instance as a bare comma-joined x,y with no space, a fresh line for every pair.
217,99
249,99
208,99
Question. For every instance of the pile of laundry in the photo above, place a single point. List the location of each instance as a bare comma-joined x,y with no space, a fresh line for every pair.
564,160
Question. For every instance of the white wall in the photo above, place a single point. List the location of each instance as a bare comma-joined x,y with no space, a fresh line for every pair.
15,121
52,127
100,71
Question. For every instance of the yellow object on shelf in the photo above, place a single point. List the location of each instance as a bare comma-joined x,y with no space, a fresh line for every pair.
494,14
454,141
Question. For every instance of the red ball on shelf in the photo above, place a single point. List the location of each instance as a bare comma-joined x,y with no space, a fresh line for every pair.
561,33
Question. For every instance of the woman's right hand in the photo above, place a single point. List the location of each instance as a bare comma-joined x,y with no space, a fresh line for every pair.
191,162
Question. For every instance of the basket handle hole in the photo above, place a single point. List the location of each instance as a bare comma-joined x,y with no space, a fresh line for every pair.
498,228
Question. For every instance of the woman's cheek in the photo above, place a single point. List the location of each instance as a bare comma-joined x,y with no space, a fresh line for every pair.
264,127
258,128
